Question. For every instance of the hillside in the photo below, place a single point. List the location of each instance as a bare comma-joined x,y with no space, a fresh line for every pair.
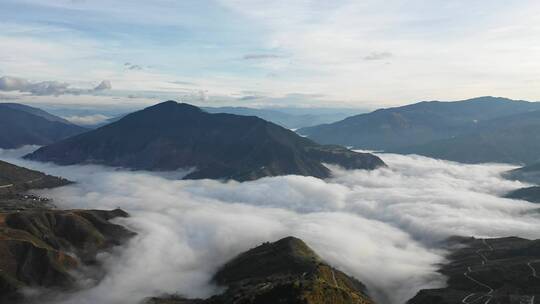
14,179
483,129
286,271
23,125
502,270
170,136
531,194
43,248
528,174
509,139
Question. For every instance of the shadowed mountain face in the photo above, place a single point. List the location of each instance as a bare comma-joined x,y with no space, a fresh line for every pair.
23,125
531,194
528,174
286,271
509,139
485,129
169,136
503,270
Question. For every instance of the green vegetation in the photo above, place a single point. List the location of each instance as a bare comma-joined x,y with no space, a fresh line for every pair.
286,271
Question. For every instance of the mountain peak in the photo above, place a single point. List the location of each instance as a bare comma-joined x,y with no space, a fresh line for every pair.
171,136
289,255
172,104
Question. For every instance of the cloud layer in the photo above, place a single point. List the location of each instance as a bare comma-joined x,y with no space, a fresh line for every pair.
381,227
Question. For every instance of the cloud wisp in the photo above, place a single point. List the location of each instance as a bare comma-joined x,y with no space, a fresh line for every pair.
47,88
261,56
381,227
378,56
87,120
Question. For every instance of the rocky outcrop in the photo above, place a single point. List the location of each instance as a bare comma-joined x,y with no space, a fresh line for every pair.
286,271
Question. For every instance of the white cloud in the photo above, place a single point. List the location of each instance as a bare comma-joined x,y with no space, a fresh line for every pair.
103,86
444,50
47,88
87,120
379,226
379,56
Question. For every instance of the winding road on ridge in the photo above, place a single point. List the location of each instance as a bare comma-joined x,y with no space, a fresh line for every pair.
469,299
534,274
488,296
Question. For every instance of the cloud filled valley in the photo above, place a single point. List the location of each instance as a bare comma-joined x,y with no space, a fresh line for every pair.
382,227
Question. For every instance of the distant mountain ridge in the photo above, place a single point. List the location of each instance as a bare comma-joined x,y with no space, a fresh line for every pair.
24,125
283,118
528,174
485,129
171,135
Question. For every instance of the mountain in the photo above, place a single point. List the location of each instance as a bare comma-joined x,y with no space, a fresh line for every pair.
502,270
482,129
284,119
531,194
528,174
44,247
170,136
286,271
35,111
14,179
509,139
23,125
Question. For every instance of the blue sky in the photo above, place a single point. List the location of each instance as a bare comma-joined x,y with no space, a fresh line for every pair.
269,53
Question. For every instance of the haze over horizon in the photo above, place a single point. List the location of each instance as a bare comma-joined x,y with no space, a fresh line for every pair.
267,54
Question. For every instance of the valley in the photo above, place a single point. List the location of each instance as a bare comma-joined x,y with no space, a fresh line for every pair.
108,168
269,152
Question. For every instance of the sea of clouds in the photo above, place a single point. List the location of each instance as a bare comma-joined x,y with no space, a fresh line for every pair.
383,227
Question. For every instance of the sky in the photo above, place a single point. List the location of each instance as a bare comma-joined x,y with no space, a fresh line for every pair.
343,53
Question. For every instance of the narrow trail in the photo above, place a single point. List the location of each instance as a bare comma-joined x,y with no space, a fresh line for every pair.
534,274
27,182
334,277
469,299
